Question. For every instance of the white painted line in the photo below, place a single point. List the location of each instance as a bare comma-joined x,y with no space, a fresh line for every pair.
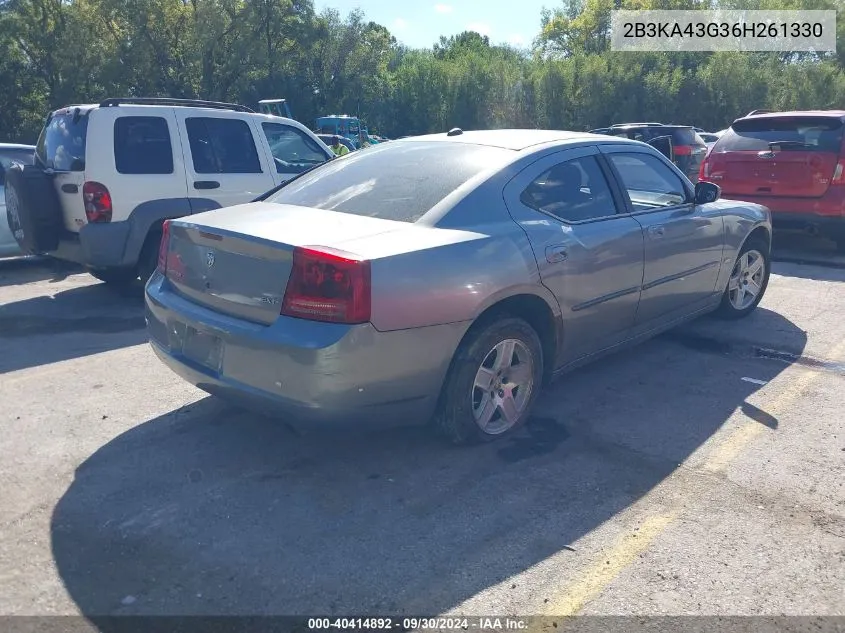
755,381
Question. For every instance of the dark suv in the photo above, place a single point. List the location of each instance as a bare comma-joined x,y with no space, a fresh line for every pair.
791,162
689,149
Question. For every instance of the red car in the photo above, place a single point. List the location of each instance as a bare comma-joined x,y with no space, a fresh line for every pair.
791,162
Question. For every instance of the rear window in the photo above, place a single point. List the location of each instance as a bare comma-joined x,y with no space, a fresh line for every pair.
806,134
686,136
395,181
61,145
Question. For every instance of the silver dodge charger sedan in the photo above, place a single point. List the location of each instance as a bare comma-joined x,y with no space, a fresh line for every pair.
447,277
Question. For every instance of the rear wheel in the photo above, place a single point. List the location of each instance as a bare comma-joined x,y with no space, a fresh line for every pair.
748,281
492,383
115,276
148,261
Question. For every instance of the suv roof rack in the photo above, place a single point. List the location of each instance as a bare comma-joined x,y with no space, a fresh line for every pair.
633,124
163,101
756,112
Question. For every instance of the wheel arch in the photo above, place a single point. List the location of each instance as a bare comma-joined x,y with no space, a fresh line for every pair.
761,232
541,313
148,217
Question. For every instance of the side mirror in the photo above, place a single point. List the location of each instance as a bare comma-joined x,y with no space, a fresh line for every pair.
707,192
665,146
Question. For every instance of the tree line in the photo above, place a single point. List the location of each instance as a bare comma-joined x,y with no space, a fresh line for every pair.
61,52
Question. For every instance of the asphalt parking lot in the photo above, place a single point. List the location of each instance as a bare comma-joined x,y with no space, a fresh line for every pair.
700,473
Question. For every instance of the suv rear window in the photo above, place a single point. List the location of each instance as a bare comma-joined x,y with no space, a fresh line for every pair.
142,145
686,136
395,181
61,145
680,136
805,134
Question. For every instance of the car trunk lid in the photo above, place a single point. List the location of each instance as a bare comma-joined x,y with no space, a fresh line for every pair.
238,260
792,156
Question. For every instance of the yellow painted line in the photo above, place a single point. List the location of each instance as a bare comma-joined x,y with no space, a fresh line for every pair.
601,573
736,442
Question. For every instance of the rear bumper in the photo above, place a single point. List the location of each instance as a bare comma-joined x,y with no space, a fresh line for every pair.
96,245
310,372
829,207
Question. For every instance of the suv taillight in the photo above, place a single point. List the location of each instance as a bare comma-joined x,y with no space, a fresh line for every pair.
97,199
328,285
704,170
163,247
839,173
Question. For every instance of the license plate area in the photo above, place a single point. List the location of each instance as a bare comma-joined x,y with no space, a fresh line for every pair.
203,348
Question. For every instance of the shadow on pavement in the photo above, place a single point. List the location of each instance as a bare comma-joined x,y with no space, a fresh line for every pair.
210,510
32,330
808,257
19,270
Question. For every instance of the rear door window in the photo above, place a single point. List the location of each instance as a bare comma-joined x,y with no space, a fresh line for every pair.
142,145
394,181
61,145
222,146
574,191
803,134
293,151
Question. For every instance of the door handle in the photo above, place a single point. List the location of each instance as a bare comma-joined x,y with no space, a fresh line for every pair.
206,184
68,188
657,231
556,253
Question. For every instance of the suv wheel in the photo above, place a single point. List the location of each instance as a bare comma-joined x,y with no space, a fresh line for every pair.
148,261
492,384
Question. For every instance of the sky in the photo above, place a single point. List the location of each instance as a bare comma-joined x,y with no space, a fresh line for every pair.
420,23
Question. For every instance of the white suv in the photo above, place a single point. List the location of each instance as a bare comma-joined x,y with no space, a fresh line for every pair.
108,175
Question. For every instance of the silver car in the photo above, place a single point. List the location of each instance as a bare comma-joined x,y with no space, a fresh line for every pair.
447,277
10,153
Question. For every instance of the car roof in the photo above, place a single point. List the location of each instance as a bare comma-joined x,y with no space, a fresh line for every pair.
16,146
512,139
795,113
669,126
270,118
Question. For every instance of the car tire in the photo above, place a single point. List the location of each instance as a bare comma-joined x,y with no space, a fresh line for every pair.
115,276
464,405
148,261
736,302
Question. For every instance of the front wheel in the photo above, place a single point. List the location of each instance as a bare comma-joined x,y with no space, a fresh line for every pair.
492,383
748,281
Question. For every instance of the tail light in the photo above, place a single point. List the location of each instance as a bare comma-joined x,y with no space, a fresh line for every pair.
328,285
839,173
98,205
704,170
163,247
683,150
